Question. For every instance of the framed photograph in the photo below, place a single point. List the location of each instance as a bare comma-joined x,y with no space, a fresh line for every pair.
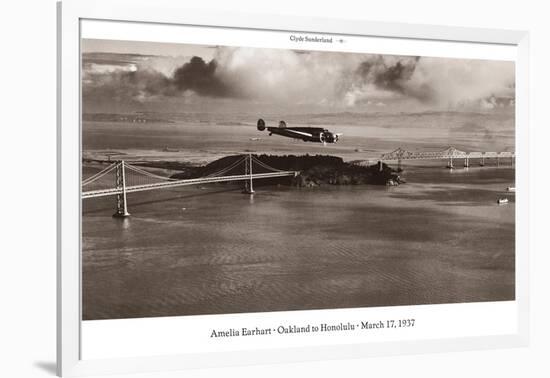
250,188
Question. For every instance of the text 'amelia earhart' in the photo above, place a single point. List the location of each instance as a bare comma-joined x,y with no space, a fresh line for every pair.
310,328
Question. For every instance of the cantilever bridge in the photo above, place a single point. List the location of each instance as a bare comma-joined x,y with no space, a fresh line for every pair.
448,154
121,178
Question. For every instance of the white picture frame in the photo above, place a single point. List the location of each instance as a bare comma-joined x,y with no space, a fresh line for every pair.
69,337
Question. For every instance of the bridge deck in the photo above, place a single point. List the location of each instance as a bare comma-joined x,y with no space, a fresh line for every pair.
436,156
401,154
173,184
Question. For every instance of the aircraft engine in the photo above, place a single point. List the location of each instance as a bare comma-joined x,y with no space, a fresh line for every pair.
328,137
261,125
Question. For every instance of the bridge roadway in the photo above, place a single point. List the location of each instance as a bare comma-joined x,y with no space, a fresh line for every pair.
401,154
438,155
173,184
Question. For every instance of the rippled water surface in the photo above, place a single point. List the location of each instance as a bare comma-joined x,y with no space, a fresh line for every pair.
440,238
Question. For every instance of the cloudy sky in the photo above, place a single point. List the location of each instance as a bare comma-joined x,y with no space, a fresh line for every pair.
134,76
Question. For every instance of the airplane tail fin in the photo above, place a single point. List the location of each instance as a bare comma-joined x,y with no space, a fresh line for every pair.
261,124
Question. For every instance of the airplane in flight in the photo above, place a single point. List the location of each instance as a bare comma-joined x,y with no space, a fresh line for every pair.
305,133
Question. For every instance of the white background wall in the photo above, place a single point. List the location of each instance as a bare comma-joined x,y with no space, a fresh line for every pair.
27,198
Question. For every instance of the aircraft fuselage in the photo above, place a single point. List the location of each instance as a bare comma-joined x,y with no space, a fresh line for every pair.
307,134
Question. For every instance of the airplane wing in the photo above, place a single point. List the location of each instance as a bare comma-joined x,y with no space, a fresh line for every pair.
299,132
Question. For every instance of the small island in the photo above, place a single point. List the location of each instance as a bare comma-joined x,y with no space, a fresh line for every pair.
315,170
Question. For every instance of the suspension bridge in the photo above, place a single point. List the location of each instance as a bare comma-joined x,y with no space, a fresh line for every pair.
450,154
121,178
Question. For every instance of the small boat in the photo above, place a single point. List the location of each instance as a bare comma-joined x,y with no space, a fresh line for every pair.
502,201
511,189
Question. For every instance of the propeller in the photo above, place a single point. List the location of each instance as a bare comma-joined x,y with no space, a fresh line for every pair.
261,124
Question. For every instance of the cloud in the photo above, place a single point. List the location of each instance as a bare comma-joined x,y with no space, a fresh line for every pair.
125,85
282,76
152,78
278,76
379,77
432,81
456,82
387,75
201,78
494,102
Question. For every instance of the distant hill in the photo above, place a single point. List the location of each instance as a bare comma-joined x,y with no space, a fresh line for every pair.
116,117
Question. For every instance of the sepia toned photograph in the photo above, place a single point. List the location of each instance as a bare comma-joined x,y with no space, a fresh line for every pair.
220,180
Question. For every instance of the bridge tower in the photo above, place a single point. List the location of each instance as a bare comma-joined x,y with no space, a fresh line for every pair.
121,204
450,163
248,187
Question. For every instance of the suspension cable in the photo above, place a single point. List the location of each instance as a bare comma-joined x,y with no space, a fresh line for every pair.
259,162
98,175
148,174
224,170
140,171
